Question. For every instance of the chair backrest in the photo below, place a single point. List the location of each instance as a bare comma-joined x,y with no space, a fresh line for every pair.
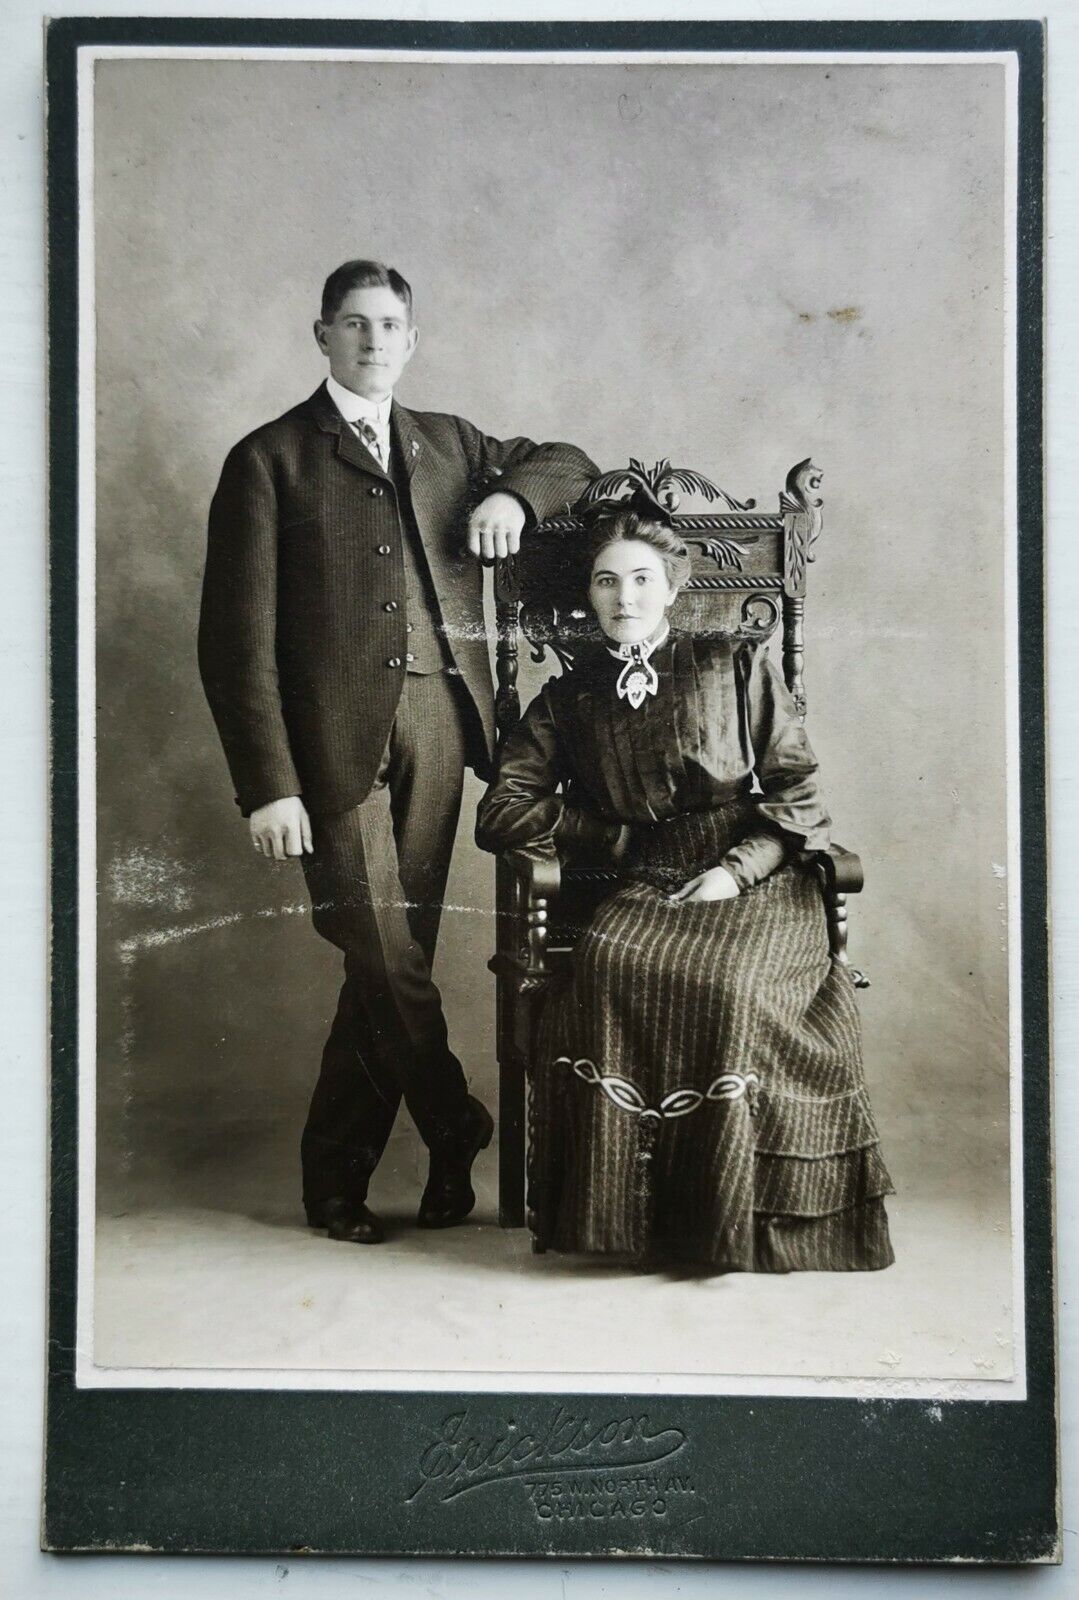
749,571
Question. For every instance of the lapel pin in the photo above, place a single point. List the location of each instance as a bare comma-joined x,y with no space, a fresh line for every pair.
415,447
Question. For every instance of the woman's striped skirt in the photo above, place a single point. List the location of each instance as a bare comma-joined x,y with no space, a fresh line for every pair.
699,1094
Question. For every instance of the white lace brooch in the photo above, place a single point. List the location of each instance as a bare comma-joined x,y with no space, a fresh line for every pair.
638,677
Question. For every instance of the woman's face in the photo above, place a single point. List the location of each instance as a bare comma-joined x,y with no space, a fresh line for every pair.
629,591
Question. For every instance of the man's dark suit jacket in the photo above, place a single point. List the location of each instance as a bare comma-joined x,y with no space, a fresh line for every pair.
301,648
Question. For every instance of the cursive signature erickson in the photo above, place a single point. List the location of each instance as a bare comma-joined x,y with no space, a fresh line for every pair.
459,1458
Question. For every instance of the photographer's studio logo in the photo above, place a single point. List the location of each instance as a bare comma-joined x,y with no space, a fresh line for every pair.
569,1467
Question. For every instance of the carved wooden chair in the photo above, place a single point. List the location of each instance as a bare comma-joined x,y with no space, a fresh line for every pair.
748,579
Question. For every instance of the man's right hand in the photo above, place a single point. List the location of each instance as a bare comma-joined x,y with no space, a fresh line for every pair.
281,829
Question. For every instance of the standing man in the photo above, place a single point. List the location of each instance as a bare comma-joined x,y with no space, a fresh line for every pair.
343,652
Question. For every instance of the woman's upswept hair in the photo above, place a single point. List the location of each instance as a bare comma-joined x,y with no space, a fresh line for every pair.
614,527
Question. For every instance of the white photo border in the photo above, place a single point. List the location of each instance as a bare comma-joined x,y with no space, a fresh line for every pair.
90,1375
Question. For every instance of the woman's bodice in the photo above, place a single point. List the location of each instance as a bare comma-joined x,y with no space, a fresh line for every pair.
720,727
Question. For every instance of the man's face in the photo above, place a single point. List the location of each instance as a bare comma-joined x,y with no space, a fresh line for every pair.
369,342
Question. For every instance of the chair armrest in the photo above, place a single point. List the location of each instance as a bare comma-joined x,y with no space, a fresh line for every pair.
842,870
527,879
841,874
538,872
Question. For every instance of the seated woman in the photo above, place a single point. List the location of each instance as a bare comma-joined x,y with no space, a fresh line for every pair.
699,1093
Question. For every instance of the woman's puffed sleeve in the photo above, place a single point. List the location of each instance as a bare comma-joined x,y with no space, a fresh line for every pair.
789,804
522,805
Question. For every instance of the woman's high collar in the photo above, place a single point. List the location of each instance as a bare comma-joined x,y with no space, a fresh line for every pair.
644,647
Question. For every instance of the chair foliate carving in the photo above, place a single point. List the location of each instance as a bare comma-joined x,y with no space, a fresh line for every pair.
800,507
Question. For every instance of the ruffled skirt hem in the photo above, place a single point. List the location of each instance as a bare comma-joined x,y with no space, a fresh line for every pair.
853,1240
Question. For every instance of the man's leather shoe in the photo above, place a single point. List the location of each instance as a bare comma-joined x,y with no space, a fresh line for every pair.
347,1220
449,1196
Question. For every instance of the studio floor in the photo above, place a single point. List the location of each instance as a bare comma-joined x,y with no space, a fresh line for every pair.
216,1270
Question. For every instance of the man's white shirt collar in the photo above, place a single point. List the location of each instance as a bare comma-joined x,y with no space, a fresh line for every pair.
357,408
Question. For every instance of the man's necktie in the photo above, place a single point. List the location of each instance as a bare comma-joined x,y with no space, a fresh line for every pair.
370,438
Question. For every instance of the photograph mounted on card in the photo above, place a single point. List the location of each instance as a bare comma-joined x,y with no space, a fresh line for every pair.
549,969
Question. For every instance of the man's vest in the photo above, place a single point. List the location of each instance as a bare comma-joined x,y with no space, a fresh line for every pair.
427,646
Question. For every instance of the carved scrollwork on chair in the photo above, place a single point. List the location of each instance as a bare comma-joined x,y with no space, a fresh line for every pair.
655,489
546,627
760,615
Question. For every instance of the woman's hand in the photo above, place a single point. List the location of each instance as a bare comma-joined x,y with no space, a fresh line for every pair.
715,884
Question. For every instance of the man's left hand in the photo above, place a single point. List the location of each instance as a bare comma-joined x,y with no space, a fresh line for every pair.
494,528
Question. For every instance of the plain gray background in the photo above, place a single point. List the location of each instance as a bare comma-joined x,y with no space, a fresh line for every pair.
734,266
22,1128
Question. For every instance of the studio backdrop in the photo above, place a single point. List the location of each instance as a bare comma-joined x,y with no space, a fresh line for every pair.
732,266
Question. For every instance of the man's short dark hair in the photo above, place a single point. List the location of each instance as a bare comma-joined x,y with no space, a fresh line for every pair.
362,275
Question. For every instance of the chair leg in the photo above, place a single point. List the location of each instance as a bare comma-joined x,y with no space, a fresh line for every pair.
511,1140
